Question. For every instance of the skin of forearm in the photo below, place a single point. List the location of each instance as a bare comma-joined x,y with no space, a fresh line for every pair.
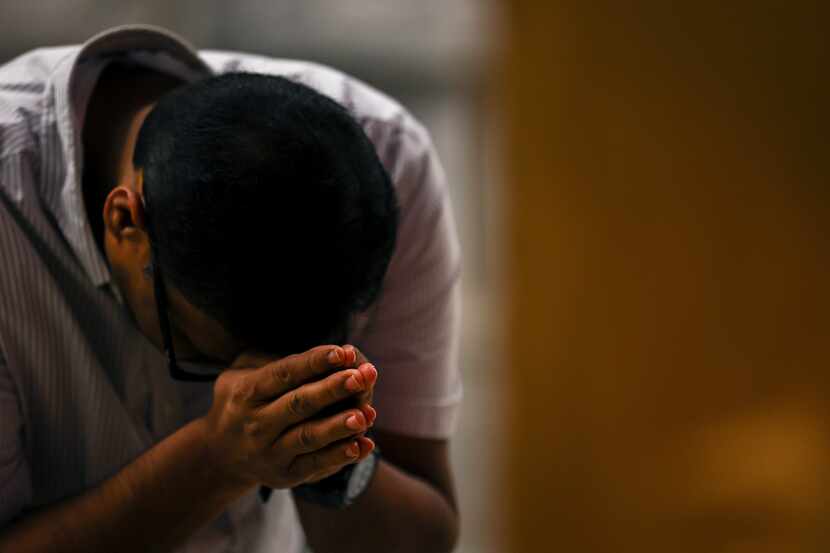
398,513
152,504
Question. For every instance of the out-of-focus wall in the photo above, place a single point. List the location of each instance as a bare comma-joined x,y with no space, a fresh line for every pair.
431,55
668,260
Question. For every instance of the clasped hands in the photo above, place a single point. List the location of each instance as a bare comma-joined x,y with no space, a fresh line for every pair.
281,422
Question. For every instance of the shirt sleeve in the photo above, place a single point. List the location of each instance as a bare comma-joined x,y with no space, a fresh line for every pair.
15,482
412,335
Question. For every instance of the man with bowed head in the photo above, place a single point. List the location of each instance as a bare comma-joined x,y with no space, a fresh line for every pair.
229,306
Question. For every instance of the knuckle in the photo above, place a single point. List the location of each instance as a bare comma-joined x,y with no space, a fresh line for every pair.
242,390
298,405
308,363
221,386
317,352
306,438
281,375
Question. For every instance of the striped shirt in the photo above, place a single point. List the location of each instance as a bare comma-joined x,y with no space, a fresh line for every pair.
82,391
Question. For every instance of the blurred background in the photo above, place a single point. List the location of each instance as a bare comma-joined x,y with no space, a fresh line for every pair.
642,196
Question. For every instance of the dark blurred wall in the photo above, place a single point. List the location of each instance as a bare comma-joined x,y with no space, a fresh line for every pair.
667,270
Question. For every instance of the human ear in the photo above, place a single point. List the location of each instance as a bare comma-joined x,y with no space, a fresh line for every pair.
124,215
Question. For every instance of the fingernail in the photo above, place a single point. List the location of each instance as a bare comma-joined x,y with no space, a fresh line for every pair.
354,422
372,372
351,355
373,414
334,356
353,450
353,384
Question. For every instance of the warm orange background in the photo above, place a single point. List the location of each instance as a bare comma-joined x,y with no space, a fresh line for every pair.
667,270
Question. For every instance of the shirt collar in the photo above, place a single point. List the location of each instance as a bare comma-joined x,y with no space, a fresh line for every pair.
73,81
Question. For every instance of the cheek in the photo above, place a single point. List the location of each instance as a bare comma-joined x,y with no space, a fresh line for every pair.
142,305
136,288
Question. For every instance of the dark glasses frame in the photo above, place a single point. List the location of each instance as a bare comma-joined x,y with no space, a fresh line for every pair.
160,291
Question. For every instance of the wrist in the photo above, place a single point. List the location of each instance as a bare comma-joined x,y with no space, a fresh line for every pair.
213,463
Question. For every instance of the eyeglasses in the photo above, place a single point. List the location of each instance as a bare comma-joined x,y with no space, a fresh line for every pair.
197,372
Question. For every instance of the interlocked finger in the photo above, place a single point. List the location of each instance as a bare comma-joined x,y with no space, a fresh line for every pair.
328,460
274,379
313,435
309,399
